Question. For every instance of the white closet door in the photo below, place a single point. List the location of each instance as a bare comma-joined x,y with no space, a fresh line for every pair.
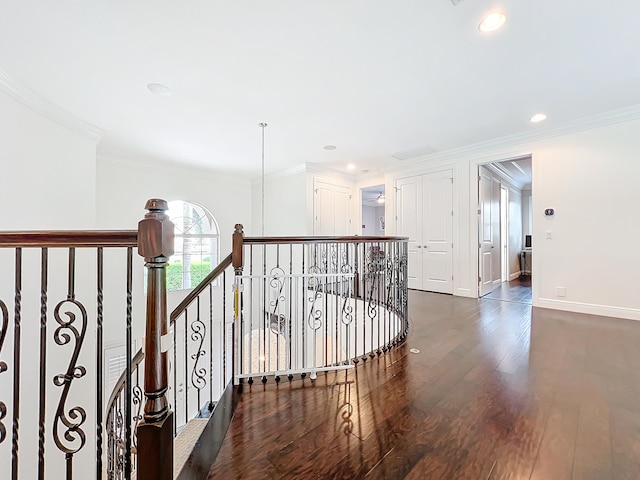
409,224
437,250
331,209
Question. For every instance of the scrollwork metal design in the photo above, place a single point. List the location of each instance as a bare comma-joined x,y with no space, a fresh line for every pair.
136,398
3,366
198,375
277,321
73,438
314,319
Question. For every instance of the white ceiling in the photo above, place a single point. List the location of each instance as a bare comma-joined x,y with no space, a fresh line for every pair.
376,78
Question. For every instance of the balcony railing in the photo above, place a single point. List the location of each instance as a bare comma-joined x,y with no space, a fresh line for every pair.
274,308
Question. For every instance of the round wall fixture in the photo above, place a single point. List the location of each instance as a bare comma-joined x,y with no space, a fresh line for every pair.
159,89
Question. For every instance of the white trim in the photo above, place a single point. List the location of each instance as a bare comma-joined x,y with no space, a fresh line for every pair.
48,109
604,119
312,168
588,308
466,292
514,276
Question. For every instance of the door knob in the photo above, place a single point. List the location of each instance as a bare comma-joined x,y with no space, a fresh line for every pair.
418,246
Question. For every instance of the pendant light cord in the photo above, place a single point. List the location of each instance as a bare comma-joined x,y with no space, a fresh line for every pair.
263,126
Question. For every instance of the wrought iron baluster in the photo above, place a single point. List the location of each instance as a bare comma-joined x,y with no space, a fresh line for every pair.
4,316
211,340
17,320
73,439
99,350
198,375
128,432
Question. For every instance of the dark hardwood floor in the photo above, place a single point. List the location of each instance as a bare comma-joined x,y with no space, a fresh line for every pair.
496,392
518,290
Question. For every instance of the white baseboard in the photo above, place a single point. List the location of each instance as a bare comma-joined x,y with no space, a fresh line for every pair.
513,276
588,308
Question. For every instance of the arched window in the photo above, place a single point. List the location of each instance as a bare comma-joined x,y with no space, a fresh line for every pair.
197,242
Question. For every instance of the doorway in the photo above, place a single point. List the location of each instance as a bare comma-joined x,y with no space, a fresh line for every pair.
373,211
504,227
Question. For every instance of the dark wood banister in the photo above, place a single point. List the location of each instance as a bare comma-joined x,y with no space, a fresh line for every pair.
62,238
352,239
190,298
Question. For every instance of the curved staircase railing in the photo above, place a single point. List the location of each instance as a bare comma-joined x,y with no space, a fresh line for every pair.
275,307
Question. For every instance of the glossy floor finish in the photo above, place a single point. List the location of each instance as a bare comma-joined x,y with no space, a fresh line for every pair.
518,290
495,393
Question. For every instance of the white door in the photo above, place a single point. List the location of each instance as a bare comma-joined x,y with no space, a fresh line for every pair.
437,248
409,224
331,209
489,230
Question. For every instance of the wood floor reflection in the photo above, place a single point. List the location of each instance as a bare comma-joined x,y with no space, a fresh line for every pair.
496,392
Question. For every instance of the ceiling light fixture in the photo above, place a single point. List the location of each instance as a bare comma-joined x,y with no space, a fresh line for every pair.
351,166
492,22
329,147
159,89
538,117
380,198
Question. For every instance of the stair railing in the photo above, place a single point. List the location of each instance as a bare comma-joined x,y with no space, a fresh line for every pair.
313,304
58,304
197,348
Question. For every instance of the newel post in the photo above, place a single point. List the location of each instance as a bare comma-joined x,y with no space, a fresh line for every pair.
236,252
155,431
237,262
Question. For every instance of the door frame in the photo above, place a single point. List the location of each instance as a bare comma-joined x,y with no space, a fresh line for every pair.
474,225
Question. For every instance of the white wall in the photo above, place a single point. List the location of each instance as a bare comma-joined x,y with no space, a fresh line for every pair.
590,178
48,179
515,232
526,216
285,206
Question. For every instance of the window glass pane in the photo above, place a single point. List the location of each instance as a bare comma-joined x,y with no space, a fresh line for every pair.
196,245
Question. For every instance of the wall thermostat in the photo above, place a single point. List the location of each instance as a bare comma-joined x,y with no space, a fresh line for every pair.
549,212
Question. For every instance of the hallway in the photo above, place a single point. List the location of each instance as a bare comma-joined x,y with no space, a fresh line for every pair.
495,392
518,290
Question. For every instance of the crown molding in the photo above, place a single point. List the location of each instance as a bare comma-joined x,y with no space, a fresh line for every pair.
312,168
612,117
47,109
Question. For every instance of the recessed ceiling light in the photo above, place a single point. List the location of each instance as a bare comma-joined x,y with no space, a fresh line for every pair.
159,89
329,147
351,166
538,117
492,22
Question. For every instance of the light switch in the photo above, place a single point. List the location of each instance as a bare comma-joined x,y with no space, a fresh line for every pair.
549,235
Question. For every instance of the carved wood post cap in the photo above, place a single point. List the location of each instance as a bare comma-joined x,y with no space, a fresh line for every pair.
156,231
156,204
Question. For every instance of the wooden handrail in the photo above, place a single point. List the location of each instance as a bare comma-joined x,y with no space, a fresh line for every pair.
353,239
63,238
190,298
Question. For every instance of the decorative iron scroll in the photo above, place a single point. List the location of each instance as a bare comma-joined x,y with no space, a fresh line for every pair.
314,319
73,438
198,332
116,432
3,366
277,321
